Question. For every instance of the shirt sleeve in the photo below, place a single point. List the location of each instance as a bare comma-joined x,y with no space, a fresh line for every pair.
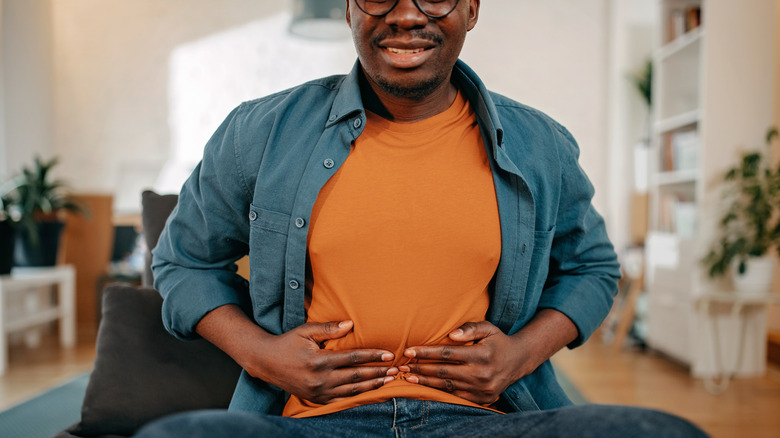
583,275
194,261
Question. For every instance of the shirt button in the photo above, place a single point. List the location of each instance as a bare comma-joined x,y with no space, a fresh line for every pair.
252,215
332,118
357,123
294,284
328,163
299,222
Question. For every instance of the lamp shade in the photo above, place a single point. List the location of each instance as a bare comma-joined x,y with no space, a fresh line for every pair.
319,19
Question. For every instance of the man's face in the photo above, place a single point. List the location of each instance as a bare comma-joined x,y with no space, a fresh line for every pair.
407,54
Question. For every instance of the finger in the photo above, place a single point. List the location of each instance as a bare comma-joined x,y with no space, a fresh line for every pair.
451,386
442,353
346,358
323,331
347,376
352,389
446,385
439,371
473,331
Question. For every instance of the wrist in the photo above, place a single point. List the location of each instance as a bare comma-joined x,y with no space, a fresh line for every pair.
547,333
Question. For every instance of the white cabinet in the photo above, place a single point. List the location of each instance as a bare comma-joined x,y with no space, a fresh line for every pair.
713,97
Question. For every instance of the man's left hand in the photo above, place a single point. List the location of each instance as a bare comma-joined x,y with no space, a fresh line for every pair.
479,372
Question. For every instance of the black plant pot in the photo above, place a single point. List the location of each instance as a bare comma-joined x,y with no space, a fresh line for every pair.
40,253
7,240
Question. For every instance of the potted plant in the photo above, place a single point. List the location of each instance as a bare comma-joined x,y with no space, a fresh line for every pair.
8,222
40,202
750,226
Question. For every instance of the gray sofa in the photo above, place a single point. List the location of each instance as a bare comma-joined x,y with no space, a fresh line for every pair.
141,372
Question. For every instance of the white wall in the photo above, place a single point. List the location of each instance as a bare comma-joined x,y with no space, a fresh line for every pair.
552,55
26,128
112,70
114,124
634,34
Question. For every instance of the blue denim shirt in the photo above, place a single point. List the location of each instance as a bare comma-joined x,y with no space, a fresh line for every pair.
262,170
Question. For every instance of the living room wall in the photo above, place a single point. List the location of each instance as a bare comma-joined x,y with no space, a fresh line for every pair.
110,71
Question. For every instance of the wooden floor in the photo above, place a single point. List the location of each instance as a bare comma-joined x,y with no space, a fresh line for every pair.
748,408
32,371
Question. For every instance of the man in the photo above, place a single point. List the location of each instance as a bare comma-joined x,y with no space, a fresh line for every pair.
419,249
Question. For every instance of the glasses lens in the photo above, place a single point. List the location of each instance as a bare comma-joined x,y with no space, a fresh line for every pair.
376,7
431,8
436,8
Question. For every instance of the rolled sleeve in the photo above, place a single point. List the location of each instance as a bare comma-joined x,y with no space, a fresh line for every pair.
194,261
584,271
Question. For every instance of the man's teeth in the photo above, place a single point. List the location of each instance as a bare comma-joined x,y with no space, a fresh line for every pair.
404,51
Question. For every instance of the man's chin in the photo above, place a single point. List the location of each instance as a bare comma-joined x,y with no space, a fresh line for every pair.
417,91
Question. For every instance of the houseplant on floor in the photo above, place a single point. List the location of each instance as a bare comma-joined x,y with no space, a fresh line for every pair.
40,202
750,226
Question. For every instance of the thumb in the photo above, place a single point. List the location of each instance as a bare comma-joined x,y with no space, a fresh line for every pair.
473,331
323,331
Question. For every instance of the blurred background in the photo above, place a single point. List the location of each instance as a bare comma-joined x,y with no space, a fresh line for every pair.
125,93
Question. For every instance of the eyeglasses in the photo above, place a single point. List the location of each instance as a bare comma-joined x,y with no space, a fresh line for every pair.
431,8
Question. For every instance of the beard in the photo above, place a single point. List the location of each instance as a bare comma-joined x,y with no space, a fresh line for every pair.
412,92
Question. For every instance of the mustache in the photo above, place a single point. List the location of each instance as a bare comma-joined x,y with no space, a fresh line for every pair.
415,33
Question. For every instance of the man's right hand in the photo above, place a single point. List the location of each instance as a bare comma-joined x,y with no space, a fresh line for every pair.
296,361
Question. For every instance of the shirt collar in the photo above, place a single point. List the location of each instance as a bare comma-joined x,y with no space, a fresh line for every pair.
348,100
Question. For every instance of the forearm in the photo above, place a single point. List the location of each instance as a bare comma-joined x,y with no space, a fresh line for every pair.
547,333
232,331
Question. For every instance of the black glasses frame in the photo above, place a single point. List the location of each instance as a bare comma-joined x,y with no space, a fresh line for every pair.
416,3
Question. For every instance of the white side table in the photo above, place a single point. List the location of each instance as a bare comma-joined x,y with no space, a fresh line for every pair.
732,336
27,280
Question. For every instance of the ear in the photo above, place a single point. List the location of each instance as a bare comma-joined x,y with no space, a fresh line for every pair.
473,14
349,19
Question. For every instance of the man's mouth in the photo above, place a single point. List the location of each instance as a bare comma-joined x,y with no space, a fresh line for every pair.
406,58
404,51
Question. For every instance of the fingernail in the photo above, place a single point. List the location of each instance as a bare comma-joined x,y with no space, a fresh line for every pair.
343,324
392,371
388,380
404,369
457,332
387,357
412,379
410,353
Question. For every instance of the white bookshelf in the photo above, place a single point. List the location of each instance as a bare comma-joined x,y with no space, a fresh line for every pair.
713,96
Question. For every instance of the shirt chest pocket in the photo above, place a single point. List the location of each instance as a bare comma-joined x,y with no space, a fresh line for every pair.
267,248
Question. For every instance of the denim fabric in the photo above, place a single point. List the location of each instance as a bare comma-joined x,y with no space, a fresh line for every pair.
261,172
419,418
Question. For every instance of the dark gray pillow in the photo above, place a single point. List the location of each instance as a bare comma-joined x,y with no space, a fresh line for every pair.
155,210
143,373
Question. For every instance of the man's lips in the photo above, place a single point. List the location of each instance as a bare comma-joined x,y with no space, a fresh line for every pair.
398,51
407,55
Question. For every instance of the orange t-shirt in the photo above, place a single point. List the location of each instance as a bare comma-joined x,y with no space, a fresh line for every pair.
404,240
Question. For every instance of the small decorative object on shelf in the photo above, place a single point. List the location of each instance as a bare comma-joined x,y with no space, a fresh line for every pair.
750,226
683,20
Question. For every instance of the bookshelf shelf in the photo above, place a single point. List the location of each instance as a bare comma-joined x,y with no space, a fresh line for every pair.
681,43
678,121
676,177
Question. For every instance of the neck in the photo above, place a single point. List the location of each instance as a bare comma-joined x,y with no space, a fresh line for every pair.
406,110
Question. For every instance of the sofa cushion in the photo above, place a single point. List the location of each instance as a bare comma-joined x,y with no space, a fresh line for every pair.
142,372
155,209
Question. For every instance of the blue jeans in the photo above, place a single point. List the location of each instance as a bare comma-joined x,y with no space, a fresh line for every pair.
420,418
